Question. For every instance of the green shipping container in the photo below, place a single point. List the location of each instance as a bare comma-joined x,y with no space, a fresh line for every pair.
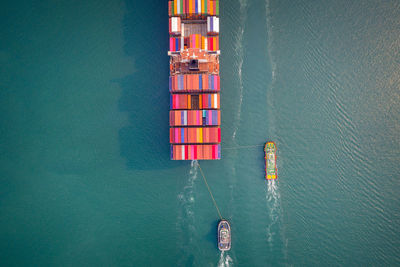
181,11
217,8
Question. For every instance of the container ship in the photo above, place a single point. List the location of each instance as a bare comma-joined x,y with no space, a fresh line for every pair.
194,81
271,172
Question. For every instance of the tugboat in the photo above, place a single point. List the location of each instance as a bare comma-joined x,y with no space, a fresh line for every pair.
271,172
224,235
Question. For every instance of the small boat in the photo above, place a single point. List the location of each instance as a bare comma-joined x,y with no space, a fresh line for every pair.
271,172
224,235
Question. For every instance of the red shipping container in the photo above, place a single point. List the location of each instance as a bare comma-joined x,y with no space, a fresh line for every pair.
212,135
196,82
186,149
213,152
199,152
189,135
194,135
178,118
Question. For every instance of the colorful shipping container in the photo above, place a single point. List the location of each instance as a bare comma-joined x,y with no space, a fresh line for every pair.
175,44
202,135
202,101
195,152
193,7
194,118
194,83
212,25
213,43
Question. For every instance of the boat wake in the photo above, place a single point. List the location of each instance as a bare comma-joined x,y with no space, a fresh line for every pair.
272,61
224,260
186,218
239,51
274,228
273,204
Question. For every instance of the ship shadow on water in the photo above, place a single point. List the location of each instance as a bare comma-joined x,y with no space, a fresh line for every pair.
145,97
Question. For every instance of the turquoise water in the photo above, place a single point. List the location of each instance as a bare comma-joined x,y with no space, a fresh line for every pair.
85,175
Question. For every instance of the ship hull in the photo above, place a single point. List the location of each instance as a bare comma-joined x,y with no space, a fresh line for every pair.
224,235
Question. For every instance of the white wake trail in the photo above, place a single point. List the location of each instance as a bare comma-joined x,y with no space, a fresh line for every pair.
239,51
273,204
225,260
274,69
186,217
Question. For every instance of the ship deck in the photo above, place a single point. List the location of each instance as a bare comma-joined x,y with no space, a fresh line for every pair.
194,28
207,62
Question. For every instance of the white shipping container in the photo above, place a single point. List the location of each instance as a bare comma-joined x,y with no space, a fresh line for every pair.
216,24
199,6
174,24
213,24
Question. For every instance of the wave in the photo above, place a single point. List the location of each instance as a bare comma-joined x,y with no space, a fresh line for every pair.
274,69
240,55
273,203
273,198
186,217
224,260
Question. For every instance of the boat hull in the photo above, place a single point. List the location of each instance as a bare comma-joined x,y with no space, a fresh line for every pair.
224,235
271,171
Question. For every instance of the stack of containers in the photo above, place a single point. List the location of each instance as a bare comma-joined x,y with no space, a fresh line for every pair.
195,152
180,135
175,26
197,41
212,25
194,82
174,44
193,7
183,101
194,117
213,43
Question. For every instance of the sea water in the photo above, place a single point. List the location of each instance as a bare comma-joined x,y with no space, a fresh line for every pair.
85,175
